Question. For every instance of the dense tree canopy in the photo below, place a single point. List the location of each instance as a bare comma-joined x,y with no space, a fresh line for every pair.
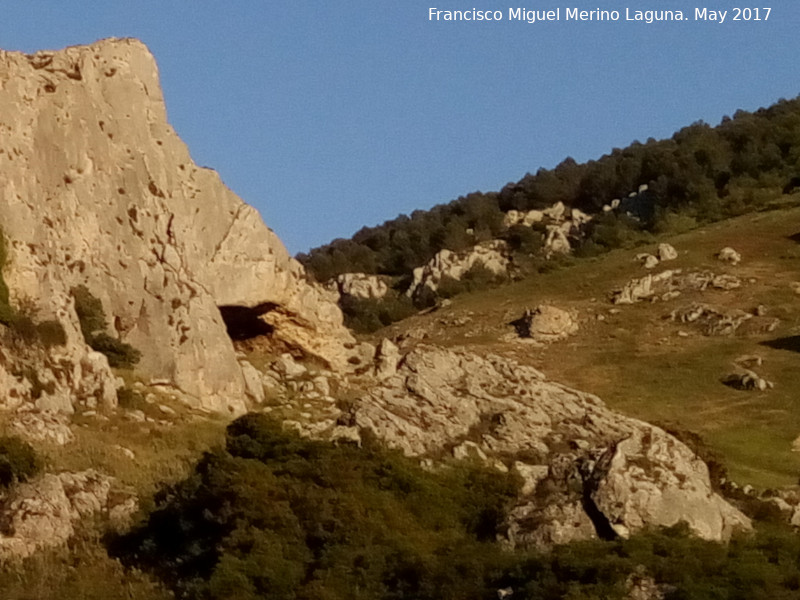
705,172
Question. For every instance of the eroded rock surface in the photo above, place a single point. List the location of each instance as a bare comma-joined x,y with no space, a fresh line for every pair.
597,473
97,189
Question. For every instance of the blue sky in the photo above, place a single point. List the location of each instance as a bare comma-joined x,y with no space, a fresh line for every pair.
330,116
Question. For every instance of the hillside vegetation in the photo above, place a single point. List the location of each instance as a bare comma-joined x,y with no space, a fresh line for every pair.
700,175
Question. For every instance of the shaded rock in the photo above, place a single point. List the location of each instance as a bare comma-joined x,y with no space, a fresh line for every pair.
548,526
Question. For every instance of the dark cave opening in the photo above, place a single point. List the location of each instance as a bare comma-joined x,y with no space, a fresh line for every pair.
244,323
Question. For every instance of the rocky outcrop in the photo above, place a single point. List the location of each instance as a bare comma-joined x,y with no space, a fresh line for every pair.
747,379
597,473
43,513
669,284
97,190
723,321
358,285
492,256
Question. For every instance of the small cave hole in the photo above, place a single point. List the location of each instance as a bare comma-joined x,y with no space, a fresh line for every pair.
244,323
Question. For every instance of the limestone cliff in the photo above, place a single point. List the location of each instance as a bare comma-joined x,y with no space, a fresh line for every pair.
96,189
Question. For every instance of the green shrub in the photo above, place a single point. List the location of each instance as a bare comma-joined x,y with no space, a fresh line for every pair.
18,461
92,319
365,315
51,333
119,354
90,311
275,515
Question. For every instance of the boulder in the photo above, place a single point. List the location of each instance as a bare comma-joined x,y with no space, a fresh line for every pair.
96,189
649,261
729,255
650,478
666,252
546,324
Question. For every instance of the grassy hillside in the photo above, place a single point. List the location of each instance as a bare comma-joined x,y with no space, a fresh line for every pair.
653,368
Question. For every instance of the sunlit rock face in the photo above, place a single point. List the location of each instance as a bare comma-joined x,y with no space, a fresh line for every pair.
96,189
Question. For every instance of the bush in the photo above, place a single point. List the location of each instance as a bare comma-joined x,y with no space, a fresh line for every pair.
18,461
51,333
92,319
275,515
366,315
120,355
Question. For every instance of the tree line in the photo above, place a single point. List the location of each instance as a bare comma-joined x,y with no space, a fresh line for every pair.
699,175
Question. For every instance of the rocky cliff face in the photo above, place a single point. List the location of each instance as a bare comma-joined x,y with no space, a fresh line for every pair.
96,189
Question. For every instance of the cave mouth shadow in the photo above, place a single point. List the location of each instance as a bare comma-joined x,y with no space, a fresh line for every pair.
244,323
795,238
791,343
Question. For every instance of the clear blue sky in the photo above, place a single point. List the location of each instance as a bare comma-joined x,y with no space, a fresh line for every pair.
327,116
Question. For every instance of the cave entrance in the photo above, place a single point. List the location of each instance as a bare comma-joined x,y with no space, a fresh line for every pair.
245,323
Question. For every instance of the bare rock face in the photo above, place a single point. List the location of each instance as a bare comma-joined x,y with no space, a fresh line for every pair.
490,255
97,189
597,473
43,513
